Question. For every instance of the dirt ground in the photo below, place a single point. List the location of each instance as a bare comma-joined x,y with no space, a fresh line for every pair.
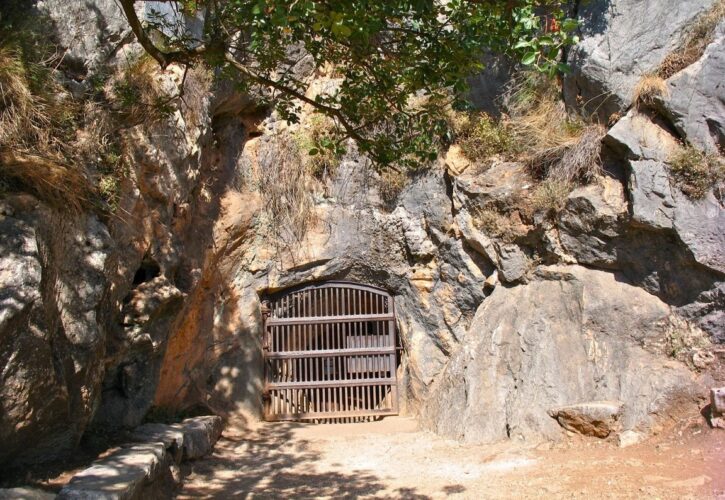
393,459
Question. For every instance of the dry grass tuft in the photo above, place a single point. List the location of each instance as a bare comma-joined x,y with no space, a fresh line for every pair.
316,142
696,172
284,187
696,38
648,90
390,184
36,135
554,144
550,196
137,95
494,224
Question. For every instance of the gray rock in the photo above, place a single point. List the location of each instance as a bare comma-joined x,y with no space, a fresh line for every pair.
696,101
25,493
513,263
629,438
572,336
51,286
200,435
700,224
90,30
172,438
596,418
591,220
139,471
617,48
652,201
639,136
717,401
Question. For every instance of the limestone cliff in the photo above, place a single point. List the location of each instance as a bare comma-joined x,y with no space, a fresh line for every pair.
619,295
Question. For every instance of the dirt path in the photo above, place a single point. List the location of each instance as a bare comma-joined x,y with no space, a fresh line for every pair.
392,459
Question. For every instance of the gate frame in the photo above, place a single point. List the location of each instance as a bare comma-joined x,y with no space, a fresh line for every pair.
390,318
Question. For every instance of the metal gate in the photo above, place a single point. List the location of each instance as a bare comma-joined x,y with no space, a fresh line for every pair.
330,352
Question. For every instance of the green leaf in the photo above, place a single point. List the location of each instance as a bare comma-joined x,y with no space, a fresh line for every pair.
313,152
528,58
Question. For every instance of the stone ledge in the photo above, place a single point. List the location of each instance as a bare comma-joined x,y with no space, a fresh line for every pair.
148,467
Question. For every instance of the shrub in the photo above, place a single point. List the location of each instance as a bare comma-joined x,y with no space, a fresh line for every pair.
648,90
696,172
480,136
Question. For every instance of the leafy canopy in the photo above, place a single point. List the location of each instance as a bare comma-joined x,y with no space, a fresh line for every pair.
400,62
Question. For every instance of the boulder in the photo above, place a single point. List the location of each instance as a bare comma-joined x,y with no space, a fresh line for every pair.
591,221
573,334
596,418
91,30
52,284
617,49
696,101
640,136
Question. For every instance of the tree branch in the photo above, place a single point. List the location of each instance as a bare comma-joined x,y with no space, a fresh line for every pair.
163,58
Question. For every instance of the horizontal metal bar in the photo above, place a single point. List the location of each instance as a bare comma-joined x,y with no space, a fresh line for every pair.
329,319
332,414
329,383
330,352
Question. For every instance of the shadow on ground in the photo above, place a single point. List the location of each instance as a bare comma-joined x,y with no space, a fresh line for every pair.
270,462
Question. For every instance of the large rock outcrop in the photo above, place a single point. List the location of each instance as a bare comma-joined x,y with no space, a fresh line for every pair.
571,336
103,317
618,48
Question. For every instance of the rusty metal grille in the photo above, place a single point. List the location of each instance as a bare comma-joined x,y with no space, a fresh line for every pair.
330,352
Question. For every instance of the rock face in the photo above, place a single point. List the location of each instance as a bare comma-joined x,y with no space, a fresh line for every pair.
52,283
506,315
696,98
579,345
617,49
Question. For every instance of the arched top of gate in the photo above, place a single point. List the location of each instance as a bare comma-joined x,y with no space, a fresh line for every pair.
331,299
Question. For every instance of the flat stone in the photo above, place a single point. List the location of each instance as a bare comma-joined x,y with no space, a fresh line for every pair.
122,475
596,418
172,438
200,435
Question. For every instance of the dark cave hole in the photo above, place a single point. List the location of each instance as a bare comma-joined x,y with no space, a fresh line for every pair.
147,271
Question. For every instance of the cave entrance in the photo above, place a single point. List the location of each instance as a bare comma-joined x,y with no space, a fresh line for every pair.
329,353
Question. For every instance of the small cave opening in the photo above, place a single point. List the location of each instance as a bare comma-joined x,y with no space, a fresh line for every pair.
148,270
330,353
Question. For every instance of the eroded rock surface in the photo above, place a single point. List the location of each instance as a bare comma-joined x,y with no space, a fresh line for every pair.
562,339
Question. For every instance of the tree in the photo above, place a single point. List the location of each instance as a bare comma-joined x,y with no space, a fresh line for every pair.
401,62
